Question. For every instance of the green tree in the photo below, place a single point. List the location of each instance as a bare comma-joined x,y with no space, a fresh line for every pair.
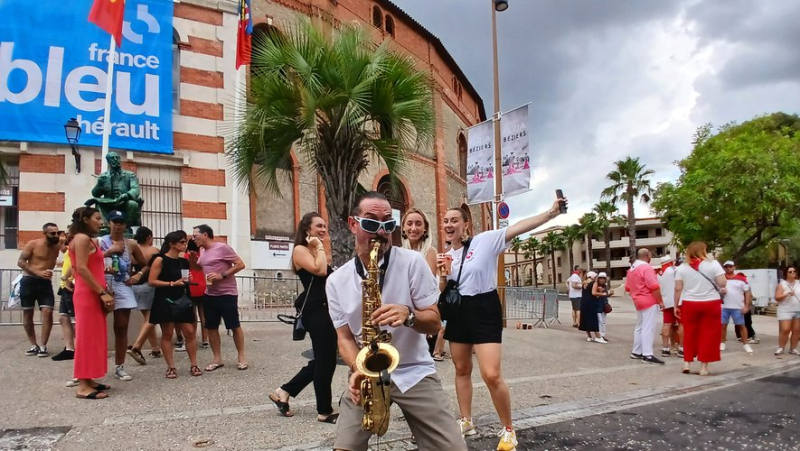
551,243
589,227
571,234
516,246
739,188
530,247
630,181
606,216
343,101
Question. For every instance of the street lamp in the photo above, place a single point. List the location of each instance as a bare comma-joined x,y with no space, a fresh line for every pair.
73,131
500,5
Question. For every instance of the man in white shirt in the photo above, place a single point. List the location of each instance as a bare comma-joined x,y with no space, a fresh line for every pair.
409,312
735,304
575,285
671,330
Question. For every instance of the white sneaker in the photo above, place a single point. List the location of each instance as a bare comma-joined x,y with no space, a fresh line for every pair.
120,374
794,352
508,440
722,346
72,383
779,351
748,349
590,339
180,347
600,340
466,427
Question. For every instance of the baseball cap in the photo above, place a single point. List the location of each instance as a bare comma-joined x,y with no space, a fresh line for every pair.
116,215
602,274
591,274
666,259
729,263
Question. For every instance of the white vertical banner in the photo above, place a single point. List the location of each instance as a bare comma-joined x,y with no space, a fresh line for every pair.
515,148
480,163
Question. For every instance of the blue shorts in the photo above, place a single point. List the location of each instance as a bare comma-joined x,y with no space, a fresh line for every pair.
735,313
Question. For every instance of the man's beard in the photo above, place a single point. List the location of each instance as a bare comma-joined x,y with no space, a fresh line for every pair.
53,240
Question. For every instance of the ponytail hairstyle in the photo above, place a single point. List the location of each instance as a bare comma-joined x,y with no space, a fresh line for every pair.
172,238
465,217
79,224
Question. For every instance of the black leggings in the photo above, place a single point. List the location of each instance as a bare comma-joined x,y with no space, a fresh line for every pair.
320,370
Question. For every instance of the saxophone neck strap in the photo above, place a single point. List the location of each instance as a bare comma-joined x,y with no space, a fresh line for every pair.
382,269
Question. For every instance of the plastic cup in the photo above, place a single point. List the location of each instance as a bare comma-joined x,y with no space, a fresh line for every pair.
448,263
108,261
209,282
185,274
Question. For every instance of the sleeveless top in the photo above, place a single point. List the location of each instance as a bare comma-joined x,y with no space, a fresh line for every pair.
316,296
171,272
124,260
96,267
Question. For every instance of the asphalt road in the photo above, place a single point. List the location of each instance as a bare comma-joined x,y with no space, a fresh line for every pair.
758,415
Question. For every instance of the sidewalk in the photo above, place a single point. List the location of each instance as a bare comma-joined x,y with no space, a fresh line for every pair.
229,409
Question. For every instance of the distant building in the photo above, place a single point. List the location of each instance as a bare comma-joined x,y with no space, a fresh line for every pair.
650,233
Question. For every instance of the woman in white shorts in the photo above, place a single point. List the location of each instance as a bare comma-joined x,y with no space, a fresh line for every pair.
788,296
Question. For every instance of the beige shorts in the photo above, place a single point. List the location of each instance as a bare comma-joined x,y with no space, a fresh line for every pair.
426,409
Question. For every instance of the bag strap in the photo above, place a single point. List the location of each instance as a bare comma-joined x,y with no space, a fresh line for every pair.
308,291
716,288
463,258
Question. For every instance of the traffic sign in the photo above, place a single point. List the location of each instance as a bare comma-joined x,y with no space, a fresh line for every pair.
502,210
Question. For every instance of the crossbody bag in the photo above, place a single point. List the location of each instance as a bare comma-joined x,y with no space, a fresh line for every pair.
450,298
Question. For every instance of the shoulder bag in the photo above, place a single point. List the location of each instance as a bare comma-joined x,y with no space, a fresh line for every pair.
299,330
180,306
450,298
716,288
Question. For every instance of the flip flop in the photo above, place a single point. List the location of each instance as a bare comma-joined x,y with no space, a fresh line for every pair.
330,419
283,407
93,395
438,358
214,366
242,367
196,371
102,387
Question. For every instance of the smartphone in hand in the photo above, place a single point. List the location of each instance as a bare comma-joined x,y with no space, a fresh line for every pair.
562,206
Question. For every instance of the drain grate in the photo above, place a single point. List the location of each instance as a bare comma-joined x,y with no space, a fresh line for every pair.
31,438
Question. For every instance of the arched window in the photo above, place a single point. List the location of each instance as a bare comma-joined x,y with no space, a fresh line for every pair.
176,72
390,25
462,156
377,17
395,194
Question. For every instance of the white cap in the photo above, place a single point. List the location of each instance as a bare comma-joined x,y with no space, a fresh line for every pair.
602,274
591,274
666,259
729,263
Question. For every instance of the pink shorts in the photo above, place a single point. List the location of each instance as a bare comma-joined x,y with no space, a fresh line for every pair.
669,316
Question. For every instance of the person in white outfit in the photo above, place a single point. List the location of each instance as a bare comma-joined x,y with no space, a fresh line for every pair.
788,296
671,330
735,304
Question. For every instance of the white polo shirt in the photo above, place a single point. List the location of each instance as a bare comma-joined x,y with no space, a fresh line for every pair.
734,295
408,282
667,283
480,268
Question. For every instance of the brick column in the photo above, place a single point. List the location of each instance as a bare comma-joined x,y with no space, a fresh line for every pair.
441,168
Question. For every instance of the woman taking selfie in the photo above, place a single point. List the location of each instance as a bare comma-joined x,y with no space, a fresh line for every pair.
92,302
311,264
478,323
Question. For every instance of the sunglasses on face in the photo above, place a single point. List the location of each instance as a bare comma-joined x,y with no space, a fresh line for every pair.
373,226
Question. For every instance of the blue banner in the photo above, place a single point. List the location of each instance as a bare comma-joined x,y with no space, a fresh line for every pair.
53,66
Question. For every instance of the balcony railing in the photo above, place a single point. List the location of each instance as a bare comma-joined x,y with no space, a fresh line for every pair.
624,242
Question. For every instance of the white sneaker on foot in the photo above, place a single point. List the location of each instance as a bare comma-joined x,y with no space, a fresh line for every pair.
794,352
72,383
121,374
722,346
466,427
748,349
779,351
600,340
508,440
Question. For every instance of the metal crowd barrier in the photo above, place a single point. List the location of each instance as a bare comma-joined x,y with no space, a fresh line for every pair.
539,305
260,298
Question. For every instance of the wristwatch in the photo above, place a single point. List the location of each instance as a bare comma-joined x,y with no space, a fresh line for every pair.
224,275
411,320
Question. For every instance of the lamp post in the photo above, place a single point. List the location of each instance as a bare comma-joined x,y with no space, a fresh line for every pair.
73,131
498,6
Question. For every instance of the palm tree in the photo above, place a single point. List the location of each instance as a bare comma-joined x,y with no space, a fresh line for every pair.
571,234
531,247
551,243
343,101
589,227
516,246
606,214
630,181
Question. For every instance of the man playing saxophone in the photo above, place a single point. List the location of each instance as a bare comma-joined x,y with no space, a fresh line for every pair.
408,311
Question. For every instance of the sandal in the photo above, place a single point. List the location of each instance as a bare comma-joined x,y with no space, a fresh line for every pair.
97,394
172,373
214,366
330,419
438,358
196,371
155,354
102,387
242,367
283,407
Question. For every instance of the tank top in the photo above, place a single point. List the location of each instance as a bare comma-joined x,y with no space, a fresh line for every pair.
171,272
790,303
316,296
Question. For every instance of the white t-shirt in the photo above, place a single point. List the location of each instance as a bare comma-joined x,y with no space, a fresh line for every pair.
667,283
480,268
574,292
790,303
408,282
734,295
695,286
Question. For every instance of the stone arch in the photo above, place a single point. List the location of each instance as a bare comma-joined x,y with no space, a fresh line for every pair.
399,198
377,17
389,24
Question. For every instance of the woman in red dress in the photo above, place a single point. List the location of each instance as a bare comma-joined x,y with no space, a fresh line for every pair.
91,304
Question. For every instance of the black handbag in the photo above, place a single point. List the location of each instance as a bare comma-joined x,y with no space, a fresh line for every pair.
181,306
450,298
298,329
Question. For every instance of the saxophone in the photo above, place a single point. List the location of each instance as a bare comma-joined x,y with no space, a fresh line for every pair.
377,358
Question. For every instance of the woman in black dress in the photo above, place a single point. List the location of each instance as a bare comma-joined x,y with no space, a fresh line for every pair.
312,265
589,321
169,276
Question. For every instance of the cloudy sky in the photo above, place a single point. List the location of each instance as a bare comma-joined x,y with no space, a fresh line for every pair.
607,79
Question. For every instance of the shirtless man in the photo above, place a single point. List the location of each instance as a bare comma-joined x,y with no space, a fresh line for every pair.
37,261
144,298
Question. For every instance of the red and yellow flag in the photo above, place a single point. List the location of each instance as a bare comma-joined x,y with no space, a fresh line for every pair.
107,14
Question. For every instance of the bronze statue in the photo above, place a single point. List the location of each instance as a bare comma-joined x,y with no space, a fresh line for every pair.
117,189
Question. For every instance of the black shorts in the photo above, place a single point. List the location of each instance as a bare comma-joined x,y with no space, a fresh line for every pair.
479,320
65,306
33,290
217,308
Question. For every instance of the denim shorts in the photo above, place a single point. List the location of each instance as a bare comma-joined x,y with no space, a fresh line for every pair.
732,313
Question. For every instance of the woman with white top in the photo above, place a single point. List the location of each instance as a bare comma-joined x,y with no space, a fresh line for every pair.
477,324
788,296
699,287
